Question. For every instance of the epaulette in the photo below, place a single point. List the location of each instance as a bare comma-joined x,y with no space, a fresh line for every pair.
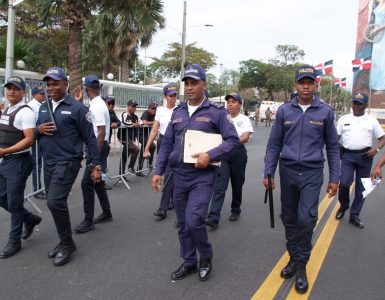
216,104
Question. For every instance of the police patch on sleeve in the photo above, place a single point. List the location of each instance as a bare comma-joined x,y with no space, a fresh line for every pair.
89,117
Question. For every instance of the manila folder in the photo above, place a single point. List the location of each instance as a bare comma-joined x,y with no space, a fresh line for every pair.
196,141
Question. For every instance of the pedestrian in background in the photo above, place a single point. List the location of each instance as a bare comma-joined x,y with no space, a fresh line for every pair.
356,132
232,168
301,129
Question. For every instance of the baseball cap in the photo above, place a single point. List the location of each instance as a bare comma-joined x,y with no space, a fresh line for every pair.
236,96
132,103
152,105
38,90
361,98
305,71
16,81
55,73
92,80
169,89
195,72
110,99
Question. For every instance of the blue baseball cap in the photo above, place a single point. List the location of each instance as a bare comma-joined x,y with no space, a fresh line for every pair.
55,73
235,96
38,90
305,71
91,80
195,72
169,89
360,98
16,81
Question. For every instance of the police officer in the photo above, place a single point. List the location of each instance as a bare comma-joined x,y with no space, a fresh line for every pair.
162,118
193,184
38,94
17,125
356,132
101,125
63,126
233,168
301,129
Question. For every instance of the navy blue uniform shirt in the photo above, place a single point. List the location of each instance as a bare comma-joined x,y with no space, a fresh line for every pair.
298,138
209,118
74,127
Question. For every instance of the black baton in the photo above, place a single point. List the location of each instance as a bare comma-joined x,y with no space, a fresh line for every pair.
269,194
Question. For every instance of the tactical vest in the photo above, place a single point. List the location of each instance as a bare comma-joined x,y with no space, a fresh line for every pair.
9,134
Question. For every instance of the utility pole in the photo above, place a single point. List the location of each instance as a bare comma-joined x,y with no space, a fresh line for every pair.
183,60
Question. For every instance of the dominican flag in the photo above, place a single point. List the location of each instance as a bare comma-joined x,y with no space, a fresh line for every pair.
337,82
356,63
328,67
367,63
319,71
343,83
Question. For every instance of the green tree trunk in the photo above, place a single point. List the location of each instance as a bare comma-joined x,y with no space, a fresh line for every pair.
75,56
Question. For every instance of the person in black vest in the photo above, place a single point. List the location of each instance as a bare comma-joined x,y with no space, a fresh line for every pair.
114,120
17,125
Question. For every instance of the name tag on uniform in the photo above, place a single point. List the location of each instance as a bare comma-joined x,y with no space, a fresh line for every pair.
65,112
346,124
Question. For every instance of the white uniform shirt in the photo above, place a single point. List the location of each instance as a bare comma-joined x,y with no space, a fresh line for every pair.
100,116
24,119
163,116
35,105
357,132
242,124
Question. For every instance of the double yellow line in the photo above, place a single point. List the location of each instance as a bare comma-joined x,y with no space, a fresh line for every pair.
273,282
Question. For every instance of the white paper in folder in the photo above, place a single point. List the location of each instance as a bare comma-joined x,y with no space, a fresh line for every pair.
196,141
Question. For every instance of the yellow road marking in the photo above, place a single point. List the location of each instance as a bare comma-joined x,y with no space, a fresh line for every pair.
318,255
273,281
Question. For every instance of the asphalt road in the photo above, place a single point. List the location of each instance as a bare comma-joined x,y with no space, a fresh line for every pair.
133,256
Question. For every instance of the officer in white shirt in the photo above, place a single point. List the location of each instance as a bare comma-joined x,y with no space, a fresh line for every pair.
232,168
17,125
356,132
101,124
38,95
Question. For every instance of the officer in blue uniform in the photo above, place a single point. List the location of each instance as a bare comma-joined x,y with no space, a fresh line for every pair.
64,124
301,130
193,184
17,124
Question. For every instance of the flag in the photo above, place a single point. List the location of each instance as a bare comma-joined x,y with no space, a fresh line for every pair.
337,82
328,67
343,82
356,63
367,63
319,71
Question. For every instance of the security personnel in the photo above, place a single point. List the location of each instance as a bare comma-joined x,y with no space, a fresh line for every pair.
162,118
63,126
193,184
233,168
38,95
356,132
101,125
17,125
301,129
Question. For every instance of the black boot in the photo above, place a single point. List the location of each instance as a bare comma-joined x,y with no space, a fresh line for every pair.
301,284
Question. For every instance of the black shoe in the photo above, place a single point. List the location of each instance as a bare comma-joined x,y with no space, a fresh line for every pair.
28,227
234,217
183,271
84,227
64,254
289,270
340,213
210,223
301,284
10,249
162,214
54,251
357,222
104,217
205,267
42,195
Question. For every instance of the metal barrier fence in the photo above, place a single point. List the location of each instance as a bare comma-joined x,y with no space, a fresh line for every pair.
125,160
142,94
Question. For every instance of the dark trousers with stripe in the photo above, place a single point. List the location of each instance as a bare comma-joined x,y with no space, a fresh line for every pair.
299,200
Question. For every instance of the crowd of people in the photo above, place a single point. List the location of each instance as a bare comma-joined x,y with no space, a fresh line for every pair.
62,125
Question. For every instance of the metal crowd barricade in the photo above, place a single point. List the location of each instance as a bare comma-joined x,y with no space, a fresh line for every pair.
125,148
